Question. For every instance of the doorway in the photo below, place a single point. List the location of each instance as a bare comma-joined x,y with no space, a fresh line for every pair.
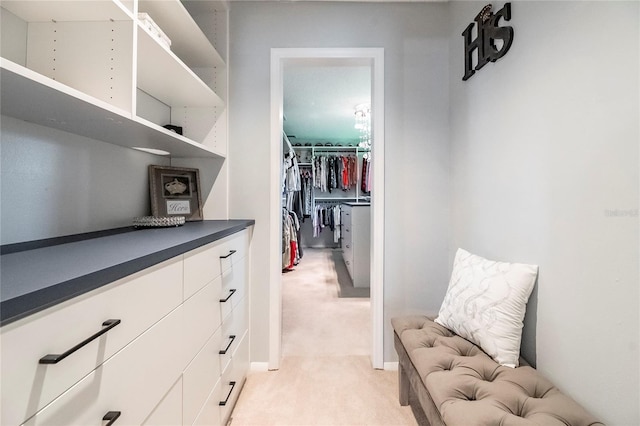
280,59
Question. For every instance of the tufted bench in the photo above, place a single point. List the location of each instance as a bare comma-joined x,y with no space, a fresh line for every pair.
458,384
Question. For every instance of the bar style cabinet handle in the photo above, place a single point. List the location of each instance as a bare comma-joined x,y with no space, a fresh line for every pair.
223,403
231,339
230,253
111,417
233,290
56,358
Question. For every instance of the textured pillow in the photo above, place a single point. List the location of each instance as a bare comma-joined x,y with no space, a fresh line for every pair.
485,303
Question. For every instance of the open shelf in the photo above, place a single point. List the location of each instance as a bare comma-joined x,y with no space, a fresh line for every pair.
68,10
32,97
187,40
164,76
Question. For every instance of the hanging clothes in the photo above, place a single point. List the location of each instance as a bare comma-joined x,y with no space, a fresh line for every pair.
337,218
365,184
334,172
327,216
307,189
291,247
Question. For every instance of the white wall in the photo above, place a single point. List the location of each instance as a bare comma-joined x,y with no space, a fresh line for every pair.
55,183
544,153
415,39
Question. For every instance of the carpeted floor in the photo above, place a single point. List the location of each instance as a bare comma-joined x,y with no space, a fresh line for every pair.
325,377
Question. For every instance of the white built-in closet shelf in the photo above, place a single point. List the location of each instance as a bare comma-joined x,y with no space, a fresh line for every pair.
32,97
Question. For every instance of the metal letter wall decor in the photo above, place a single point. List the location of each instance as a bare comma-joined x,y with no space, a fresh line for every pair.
488,31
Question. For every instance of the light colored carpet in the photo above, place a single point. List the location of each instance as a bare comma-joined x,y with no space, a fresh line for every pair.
314,320
325,376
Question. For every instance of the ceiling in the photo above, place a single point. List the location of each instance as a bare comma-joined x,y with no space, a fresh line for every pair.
320,99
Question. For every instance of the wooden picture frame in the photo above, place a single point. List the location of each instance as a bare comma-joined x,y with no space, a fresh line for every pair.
175,191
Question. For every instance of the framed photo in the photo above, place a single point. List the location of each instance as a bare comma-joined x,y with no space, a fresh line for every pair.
175,191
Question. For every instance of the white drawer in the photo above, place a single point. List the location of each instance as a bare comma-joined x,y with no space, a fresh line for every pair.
210,413
199,378
131,382
233,330
169,410
234,248
233,287
347,251
201,318
205,263
241,360
229,393
138,301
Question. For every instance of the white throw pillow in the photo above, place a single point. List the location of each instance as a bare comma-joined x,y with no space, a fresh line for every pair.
485,303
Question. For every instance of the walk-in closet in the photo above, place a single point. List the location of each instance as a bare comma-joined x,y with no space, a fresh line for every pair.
326,208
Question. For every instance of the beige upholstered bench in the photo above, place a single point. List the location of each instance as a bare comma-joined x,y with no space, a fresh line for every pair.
457,383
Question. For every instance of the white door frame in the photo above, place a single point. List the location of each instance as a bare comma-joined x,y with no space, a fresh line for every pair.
279,57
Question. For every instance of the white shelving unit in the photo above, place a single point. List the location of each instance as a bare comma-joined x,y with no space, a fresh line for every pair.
80,66
353,195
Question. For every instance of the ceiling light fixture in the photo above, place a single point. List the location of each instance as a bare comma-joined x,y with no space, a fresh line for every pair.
152,150
363,124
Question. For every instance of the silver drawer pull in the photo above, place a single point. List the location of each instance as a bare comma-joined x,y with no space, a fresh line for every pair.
111,417
56,358
233,290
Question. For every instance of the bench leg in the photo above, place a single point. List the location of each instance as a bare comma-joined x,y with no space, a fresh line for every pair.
403,382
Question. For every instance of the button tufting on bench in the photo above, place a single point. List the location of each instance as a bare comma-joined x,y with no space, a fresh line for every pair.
465,384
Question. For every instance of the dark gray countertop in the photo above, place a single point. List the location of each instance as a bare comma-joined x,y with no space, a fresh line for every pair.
37,278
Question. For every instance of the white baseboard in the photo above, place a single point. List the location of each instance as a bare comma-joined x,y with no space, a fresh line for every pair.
259,366
391,366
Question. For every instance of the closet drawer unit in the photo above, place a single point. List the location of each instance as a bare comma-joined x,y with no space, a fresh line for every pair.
200,377
205,263
210,413
233,287
138,301
201,318
132,382
356,243
169,410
